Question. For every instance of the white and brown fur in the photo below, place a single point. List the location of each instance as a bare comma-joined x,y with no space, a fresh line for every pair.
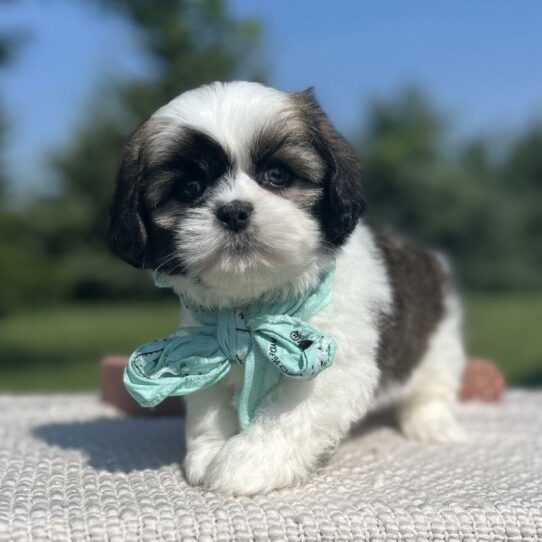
394,314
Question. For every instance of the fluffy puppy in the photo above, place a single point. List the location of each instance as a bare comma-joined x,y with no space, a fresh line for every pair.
240,193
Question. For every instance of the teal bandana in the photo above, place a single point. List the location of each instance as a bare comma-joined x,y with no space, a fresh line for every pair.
271,341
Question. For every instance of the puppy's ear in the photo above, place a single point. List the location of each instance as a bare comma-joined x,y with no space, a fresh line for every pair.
128,233
343,202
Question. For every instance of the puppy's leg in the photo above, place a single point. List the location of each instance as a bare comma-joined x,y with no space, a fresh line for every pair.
427,411
210,421
293,431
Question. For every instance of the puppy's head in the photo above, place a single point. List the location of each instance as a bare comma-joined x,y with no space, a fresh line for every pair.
236,189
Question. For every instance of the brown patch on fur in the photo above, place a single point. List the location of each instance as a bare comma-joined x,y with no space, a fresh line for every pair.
166,216
288,141
342,203
305,198
418,283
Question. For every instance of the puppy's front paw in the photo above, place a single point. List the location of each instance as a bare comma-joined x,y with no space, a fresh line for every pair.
197,461
431,422
246,467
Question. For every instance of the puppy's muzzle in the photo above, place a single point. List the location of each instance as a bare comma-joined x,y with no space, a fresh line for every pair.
235,215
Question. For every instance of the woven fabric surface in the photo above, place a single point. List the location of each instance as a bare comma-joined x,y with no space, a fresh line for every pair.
73,469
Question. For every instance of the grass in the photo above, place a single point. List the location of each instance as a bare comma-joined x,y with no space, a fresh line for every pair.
59,348
507,328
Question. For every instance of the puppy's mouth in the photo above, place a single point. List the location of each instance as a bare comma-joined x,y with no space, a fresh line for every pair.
243,251
236,254
239,242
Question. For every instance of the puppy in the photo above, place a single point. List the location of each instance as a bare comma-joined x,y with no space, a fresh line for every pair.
239,193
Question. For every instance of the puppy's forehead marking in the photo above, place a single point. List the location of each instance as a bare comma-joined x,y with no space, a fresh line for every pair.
232,113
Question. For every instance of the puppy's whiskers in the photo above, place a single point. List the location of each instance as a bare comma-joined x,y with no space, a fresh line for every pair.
165,260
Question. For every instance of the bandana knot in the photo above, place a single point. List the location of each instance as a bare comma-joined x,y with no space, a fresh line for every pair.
271,341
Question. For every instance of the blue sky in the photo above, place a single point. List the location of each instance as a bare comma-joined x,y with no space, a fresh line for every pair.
481,61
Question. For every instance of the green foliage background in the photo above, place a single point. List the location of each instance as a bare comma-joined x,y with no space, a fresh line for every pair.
479,202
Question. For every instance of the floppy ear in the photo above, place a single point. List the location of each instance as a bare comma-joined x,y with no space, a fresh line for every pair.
128,234
343,203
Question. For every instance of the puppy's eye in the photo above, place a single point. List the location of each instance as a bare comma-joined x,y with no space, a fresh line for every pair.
189,191
277,175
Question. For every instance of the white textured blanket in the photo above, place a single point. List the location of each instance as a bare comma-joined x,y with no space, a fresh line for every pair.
72,469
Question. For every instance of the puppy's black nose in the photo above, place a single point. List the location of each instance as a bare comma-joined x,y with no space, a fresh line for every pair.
235,214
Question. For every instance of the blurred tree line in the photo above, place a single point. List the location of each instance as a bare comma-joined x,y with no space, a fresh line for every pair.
481,207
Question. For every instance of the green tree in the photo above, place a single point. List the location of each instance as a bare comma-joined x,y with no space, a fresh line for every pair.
411,181
400,147
15,283
7,47
10,40
522,174
3,174
455,198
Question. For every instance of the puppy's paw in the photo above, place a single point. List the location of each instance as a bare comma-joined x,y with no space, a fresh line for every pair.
197,461
246,467
431,422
